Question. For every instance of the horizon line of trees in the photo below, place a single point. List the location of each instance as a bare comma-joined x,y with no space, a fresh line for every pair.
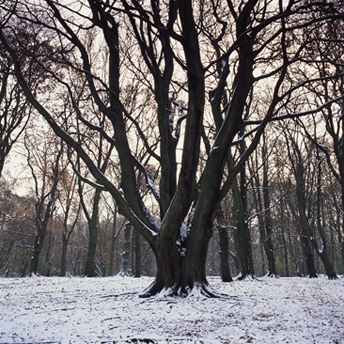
273,217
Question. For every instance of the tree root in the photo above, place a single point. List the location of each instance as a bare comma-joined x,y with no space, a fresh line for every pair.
247,277
197,290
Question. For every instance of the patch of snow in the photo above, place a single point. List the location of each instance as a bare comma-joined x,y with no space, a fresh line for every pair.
109,310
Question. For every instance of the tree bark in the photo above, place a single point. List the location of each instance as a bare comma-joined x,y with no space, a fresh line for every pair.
137,251
268,245
126,250
322,251
223,241
63,265
37,249
90,264
304,229
242,233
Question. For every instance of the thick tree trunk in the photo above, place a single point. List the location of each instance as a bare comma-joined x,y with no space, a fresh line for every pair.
181,275
182,263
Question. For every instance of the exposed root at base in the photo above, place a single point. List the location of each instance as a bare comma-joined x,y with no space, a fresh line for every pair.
247,277
198,290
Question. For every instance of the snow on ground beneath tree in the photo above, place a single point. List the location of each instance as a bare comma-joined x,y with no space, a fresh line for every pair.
109,310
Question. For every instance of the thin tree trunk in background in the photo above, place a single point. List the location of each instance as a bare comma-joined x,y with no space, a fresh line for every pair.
339,230
257,199
264,213
323,250
284,241
37,249
223,242
126,250
137,251
304,232
48,253
45,208
92,222
90,264
63,265
242,232
65,240
304,229
269,248
113,240
299,214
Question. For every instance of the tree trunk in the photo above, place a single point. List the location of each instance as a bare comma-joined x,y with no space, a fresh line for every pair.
63,266
224,265
322,252
92,221
305,237
264,214
137,251
37,249
331,274
182,275
113,241
304,227
126,250
223,241
269,248
341,230
242,233
90,265
284,241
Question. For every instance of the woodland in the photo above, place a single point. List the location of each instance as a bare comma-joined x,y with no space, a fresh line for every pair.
174,139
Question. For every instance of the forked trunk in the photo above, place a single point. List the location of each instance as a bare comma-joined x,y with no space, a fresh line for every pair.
182,272
179,275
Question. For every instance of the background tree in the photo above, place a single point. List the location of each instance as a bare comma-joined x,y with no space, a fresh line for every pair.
14,106
326,56
46,170
70,211
16,231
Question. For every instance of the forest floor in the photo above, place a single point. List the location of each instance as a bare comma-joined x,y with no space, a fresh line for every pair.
109,310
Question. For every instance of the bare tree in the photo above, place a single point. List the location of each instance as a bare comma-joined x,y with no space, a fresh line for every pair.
69,212
326,55
259,47
14,106
44,161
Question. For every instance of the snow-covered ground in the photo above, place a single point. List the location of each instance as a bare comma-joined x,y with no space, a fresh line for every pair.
108,310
